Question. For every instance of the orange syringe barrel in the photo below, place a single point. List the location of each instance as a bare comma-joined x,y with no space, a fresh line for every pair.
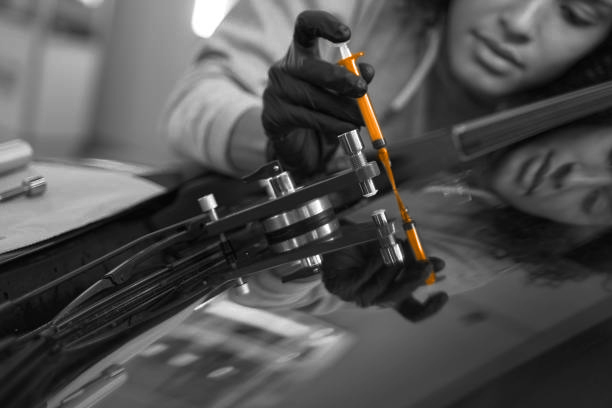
365,106
407,221
349,61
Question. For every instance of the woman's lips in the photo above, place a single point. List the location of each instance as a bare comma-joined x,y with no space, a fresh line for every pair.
496,55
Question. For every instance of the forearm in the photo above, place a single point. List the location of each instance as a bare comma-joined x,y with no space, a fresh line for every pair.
247,144
203,114
213,115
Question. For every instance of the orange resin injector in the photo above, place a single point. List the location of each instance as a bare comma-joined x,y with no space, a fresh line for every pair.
349,61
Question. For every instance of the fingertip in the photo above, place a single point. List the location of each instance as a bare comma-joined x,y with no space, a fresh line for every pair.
437,263
438,298
311,24
415,311
352,85
361,86
366,71
343,33
433,304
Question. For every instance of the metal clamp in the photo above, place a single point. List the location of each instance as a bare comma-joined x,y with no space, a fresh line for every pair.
391,251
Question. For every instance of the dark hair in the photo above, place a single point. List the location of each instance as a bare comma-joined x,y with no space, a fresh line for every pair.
539,245
437,8
593,69
433,11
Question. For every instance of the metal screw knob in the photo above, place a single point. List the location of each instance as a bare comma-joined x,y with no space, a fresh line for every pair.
208,205
30,187
353,147
390,249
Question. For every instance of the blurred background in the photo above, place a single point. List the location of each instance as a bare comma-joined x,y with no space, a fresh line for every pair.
89,78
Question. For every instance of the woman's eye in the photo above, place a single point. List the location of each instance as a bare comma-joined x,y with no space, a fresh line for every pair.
579,14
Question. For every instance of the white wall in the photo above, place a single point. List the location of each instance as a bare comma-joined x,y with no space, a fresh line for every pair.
150,46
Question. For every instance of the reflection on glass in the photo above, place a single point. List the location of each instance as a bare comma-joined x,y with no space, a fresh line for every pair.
227,355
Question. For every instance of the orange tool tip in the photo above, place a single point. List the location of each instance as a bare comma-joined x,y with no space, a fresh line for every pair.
431,279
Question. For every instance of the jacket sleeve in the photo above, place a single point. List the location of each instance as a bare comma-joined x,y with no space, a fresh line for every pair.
225,81
229,75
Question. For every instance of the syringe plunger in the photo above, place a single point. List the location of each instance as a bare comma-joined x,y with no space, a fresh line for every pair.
344,50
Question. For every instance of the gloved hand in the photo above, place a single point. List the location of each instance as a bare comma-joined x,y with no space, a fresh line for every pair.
358,274
308,101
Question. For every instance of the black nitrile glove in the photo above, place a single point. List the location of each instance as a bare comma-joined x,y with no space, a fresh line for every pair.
358,274
308,101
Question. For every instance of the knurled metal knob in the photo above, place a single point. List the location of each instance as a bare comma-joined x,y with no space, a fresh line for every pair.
353,147
390,250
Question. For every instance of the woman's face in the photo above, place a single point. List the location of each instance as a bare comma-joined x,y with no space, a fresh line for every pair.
498,47
564,175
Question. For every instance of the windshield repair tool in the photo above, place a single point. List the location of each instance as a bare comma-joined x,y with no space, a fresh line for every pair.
30,187
378,142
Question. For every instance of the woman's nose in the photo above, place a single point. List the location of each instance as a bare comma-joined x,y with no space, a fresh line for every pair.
587,177
521,18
